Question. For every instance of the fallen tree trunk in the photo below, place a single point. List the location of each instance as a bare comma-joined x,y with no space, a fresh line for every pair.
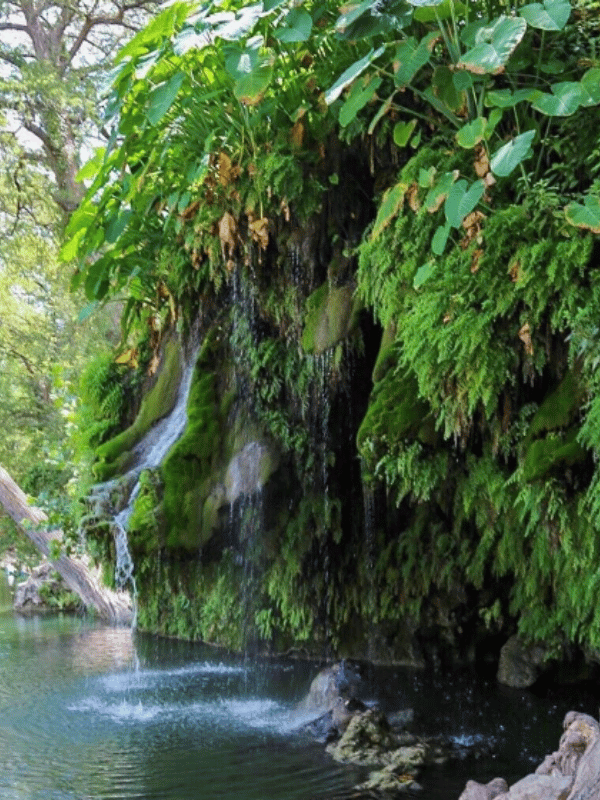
76,573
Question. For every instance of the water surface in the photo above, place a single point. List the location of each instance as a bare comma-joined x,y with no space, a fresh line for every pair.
89,712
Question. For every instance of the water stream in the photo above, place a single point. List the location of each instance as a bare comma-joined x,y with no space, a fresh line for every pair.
78,721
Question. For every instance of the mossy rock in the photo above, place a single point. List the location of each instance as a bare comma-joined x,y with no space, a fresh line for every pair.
553,452
187,469
331,315
387,356
395,411
115,455
558,408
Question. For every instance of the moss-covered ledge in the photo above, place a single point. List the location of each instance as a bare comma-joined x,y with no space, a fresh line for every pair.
115,456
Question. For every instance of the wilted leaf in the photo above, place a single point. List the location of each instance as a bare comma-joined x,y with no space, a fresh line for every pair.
128,357
412,195
224,169
494,45
525,337
551,15
510,155
482,162
153,365
475,260
586,216
439,192
297,134
260,232
472,224
228,235
391,203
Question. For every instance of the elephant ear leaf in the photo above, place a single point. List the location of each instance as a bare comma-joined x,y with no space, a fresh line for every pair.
586,215
551,15
493,45
511,154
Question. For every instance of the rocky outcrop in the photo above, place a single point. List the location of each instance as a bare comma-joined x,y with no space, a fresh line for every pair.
571,773
520,663
44,590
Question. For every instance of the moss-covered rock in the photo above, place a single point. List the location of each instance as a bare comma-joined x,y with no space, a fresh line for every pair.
115,456
331,314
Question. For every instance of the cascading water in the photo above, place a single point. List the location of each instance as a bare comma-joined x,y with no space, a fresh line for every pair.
150,452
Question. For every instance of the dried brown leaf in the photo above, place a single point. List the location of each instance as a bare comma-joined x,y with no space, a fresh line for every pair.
525,337
228,235
413,198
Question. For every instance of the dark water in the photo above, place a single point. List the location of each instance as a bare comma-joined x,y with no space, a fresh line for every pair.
88,713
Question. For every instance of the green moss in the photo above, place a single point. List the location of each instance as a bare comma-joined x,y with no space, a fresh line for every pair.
395,412
187,469
331,314
559,408
144,528
550,453
114,455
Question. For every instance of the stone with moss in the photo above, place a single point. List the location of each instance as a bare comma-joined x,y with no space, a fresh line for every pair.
331,315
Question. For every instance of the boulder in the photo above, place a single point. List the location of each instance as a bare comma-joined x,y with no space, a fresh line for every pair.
489,791
366,741
338,681
571,773
519,664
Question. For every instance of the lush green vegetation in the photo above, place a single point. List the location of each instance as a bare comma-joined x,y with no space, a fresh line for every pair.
272,169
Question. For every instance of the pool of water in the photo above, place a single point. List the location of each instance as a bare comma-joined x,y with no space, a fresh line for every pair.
89,712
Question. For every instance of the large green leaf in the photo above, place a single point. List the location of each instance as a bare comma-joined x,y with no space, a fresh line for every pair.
511,154
461,200
425,272
551,15
590,85
445,90
504,98
163,97
351,73
585,216
439,192
431,12
411,55
403,131
564,100
233,26
440,237
493,45
472,133
358,98
297,26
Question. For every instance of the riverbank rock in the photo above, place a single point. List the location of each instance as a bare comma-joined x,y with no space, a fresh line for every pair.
520,663
44,590
336,682
571,773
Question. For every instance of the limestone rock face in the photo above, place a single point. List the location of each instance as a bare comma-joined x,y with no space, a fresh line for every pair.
571,773
249,470
41,588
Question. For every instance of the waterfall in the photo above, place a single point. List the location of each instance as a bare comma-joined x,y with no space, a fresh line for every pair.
150,451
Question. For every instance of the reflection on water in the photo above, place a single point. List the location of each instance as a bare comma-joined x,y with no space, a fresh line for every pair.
88,713
85,714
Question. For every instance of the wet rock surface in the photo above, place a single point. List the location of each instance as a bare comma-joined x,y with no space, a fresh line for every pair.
363,736
570,773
